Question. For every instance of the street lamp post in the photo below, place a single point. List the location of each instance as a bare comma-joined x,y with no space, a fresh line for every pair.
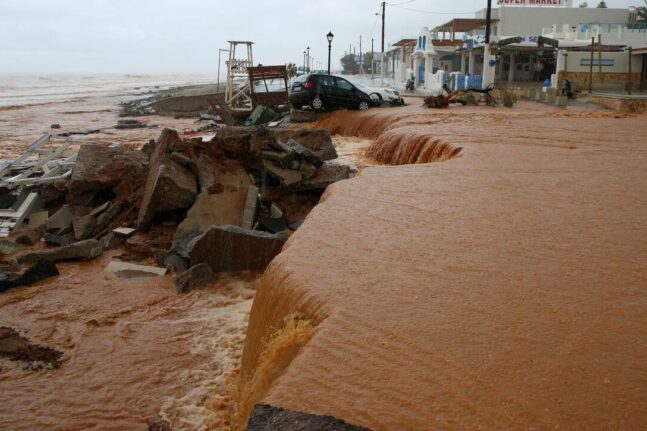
218,83
308,59
304,62
329,36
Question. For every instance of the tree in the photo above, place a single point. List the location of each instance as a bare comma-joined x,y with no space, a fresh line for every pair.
583,5
292,70
641,12
349,65
601,5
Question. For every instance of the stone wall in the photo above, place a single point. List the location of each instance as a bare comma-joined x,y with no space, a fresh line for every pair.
604,81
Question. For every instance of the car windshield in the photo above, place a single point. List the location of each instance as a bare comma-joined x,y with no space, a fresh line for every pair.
361,86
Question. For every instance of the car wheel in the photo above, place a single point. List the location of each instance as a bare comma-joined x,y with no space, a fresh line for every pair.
363,105
375,97
317,104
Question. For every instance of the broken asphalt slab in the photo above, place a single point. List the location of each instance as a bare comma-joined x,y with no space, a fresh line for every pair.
82,250
269,418
231,248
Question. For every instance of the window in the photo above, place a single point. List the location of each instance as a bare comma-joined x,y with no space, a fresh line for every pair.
326,81
424,42
344,85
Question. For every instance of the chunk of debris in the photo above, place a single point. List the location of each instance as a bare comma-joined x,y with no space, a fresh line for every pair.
9,247
194,278
84,226
101,170
265,417
131,270
130,124
261,115
176,263
55,126
169,185
19,348
232,248
38,271
61,219
82,250
60,240
124,232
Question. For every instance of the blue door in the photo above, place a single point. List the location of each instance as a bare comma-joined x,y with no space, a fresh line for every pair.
421,73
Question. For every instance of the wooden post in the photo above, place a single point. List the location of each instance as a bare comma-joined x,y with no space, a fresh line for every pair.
600,57
643,72
591,66
629,73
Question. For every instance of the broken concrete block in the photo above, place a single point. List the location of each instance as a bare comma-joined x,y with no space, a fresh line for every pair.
194,278
251,204
307,170
222,203
99,169
287,177
171,188
88,249
129,270
169,185
60,240
274,225
124,232
327,174
231,248
27,235
9,247
38,219
60,219
84,226
100,209
176,263
130,124
305,153
316,140
39,270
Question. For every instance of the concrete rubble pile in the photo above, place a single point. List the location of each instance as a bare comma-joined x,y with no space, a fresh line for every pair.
227,204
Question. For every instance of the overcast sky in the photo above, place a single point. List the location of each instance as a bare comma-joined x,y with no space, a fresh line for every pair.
183,36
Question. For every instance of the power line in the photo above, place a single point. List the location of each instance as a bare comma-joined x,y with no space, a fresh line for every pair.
398,4
430,12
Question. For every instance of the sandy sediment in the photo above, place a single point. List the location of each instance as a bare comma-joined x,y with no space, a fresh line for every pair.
500,289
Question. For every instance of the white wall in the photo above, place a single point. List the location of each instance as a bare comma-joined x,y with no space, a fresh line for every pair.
620,60
529,21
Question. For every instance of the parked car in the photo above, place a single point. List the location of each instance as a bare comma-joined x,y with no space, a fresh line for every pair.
381,95
320,91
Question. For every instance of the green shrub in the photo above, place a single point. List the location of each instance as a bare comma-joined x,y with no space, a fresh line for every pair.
509,99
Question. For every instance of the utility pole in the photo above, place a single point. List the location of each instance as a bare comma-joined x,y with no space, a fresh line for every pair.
361,59
382,53
488,16
218,84
372,60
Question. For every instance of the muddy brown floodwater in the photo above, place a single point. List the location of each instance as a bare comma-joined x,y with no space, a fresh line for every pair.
132,349
502,286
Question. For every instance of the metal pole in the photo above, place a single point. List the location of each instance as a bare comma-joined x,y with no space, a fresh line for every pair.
591,66
361,59
488,16
329,43
629,73
382,53
372,61
600,57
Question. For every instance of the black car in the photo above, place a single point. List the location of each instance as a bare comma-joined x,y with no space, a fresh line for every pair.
321,92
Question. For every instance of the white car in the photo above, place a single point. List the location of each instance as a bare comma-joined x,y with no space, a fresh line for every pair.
381,95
